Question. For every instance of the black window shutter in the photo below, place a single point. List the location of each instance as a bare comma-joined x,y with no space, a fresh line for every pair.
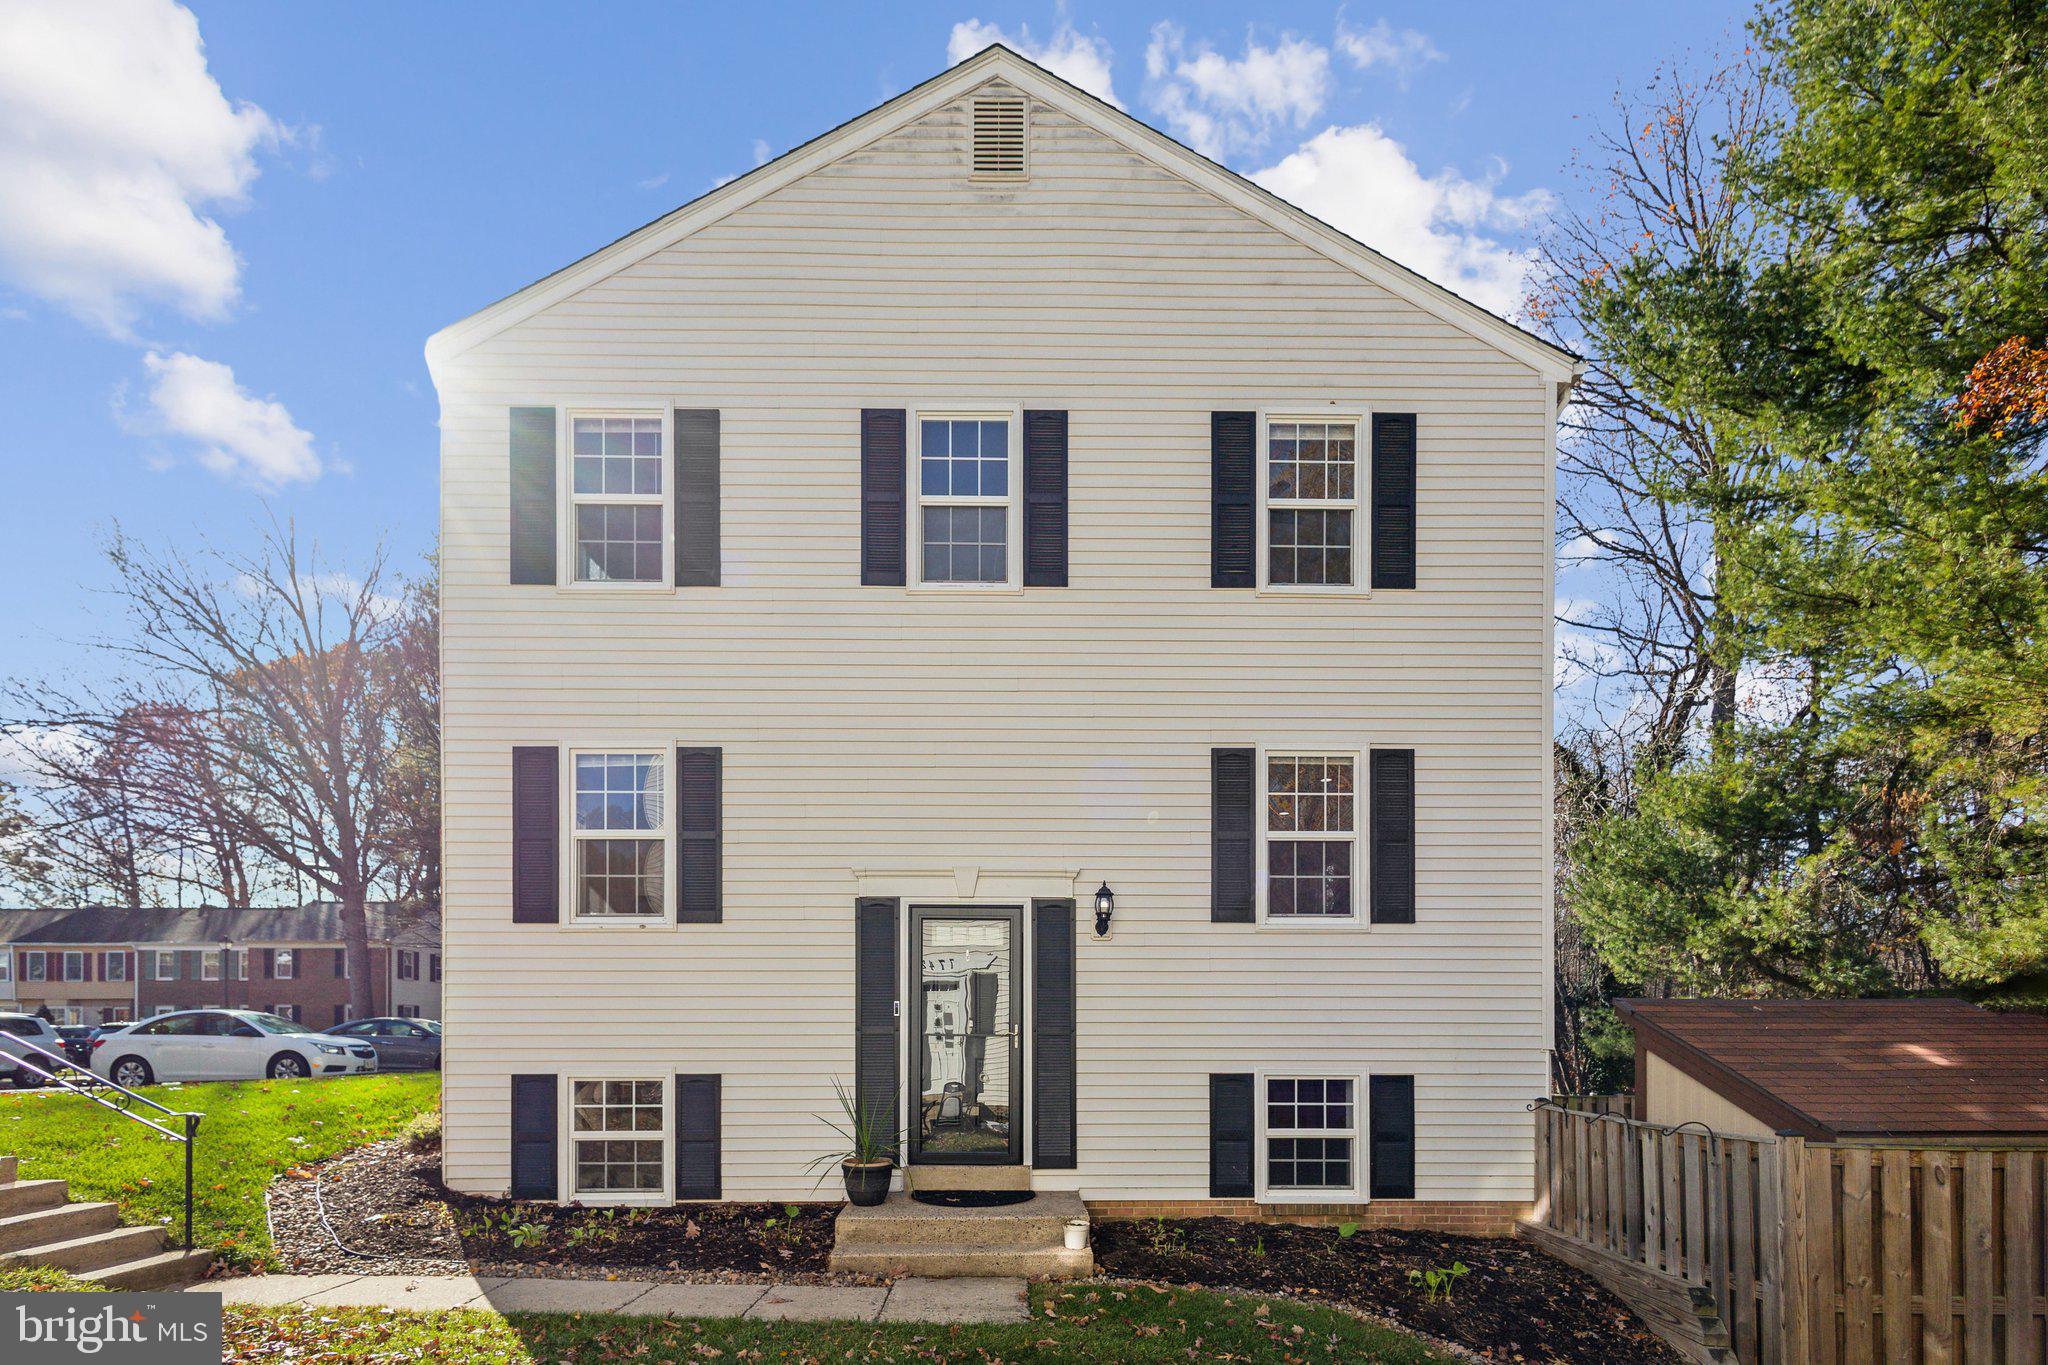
1053,1121
882,443
1045,500
1393,500
1230,835
269,964
700,830
533,495
697,554
340,962
697,1138
533,1137
1230,1137
536,834
1393,836
1233,498
1391,1100
874,1005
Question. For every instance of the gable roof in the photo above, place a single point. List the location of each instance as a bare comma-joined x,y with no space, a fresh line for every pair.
1859,1068
996,60
318,922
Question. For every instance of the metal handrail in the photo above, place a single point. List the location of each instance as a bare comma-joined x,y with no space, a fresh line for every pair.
190,1120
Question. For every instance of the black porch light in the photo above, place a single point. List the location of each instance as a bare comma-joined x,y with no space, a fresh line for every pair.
1105,906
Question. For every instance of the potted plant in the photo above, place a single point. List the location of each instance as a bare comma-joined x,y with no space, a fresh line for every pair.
869,1157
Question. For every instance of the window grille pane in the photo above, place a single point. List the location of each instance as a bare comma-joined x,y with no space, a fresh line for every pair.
964,459
618,543
966,544
619,791
1308,877
1309,546
617,455
1308,1163
620,877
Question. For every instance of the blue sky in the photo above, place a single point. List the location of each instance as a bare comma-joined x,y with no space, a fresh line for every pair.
227,229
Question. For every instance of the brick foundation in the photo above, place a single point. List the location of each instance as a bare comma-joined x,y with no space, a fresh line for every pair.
1468,1218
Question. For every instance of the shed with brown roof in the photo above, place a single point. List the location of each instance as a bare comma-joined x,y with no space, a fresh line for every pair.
1917,1070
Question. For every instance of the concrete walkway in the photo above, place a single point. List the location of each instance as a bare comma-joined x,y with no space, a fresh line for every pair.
907,1300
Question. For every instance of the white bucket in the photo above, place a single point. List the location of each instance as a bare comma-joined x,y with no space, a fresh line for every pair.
1077,1234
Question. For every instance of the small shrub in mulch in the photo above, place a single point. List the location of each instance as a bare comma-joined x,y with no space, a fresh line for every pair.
1514,1302
721,1239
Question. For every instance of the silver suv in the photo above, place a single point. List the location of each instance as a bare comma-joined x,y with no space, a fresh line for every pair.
14,1030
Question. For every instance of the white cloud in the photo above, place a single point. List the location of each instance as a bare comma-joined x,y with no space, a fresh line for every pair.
235,434
1076,57
652,182
762,151
1444,226
1402,51
114,137
1218,104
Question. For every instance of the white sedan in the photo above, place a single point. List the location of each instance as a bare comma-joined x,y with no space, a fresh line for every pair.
224,1045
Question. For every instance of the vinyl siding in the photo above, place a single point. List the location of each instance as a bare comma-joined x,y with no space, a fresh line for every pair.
1049,739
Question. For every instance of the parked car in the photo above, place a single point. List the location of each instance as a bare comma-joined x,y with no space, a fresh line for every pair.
15,1031
225,1045
77,1042
402,1044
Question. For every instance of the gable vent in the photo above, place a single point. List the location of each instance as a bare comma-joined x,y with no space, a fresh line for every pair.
999,139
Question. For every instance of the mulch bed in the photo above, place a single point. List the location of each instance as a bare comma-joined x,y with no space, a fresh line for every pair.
1515,1303
387,1202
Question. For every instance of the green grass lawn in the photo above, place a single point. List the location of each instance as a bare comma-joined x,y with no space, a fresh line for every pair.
1068,1323
252,1131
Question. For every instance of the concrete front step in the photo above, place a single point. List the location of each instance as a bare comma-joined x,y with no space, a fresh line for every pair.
940,1260
902,1221
41,1227
92,1252
967,1177
26,1196
165,1270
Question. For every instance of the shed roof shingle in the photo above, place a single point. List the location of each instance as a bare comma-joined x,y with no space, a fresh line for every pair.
1893,1068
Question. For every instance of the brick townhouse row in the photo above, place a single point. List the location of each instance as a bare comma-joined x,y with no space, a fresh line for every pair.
104,965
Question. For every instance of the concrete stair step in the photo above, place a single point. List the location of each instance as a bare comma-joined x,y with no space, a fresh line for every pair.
967,1177
902,1221
8,1165
951,1260
26,1196
165,1270
94,1251
40,1227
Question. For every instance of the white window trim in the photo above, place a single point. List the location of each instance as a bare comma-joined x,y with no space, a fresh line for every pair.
914,476
1361,526
1357,1193
116,966
290,1012
566,498
40,970
6,964
83,973
163,964
665,751
116,1014
157,1011
1360,821
565,1175
209,964
284,964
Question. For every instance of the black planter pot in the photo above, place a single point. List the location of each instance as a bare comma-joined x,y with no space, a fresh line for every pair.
867,1184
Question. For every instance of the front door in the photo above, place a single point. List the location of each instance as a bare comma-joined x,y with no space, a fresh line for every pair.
967,1050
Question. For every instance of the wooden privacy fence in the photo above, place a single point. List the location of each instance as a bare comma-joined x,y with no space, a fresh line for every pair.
1803,1252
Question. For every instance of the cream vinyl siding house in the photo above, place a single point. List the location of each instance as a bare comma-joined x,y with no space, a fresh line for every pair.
783,725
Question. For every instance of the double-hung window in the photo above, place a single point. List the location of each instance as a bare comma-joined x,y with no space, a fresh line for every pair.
967,521
34,966
209,965
617,507
163,964
74,967
619,829
1311,843
1314,491
284,964
1311,1134
408,965
619,1134
116,966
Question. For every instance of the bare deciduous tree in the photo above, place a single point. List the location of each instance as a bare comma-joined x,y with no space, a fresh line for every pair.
285,725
